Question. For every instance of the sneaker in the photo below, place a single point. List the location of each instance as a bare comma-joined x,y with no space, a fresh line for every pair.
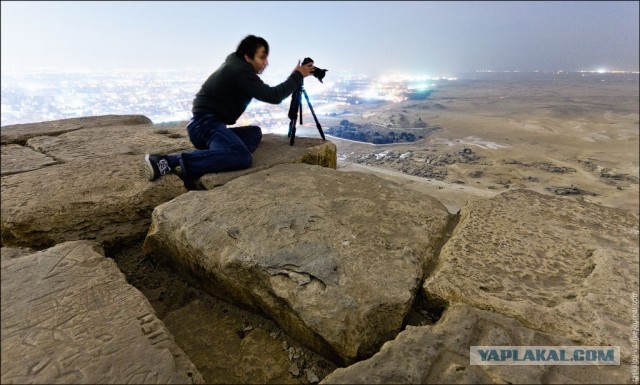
157,165
190,183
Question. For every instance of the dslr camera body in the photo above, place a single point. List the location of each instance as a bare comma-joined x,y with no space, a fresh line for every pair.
319,73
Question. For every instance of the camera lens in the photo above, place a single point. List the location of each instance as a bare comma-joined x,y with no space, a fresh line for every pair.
319,73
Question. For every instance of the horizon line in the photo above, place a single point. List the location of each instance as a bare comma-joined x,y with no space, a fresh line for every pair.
390,71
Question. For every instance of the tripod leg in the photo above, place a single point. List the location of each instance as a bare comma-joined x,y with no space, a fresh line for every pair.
292,131
293,115
314,114
300,103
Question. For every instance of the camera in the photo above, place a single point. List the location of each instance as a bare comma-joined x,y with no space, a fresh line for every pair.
317,72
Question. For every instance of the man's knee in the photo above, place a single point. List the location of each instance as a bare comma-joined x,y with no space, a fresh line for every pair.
253,137
245,160
256,132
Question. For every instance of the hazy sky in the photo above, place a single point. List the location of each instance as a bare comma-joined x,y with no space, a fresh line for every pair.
429,38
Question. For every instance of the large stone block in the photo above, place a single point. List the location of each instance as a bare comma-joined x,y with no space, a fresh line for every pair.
561,266
275,149
19,133
69,316
108,199
335,258
439,354
94,185
113,140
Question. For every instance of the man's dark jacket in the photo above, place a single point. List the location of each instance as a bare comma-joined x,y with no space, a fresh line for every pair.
229,90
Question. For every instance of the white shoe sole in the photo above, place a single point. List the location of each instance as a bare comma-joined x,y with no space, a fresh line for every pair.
150,171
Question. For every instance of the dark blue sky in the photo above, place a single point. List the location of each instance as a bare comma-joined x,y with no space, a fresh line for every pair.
427,38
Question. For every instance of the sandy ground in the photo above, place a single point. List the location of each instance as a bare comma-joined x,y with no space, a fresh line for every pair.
537,133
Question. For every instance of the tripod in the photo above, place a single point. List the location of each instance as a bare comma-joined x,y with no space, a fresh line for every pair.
296,104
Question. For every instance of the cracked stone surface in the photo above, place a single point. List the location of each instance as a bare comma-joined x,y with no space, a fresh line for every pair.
561,266
439,354
69,316
335,268
17,159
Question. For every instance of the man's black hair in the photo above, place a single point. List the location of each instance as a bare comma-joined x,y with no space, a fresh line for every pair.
249,45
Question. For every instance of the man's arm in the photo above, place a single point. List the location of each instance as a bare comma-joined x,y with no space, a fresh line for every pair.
255,87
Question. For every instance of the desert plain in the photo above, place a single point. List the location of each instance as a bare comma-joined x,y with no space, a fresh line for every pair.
565,134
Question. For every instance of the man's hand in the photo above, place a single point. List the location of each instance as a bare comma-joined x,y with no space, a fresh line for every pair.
306,69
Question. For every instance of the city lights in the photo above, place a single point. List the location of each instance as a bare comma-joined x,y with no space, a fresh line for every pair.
165,96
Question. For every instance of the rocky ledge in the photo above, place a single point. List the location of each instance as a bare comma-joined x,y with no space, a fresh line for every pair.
341,261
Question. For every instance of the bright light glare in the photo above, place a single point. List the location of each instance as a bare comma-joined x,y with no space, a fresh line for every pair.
421,87
371,93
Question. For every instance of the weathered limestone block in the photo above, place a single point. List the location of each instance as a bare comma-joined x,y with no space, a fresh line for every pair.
104,142
69,316
275,149
16,158
168,138
95,185
561,266
439,354
335,258
19,133
109,200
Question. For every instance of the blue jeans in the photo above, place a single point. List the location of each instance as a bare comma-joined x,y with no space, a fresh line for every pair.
219,148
